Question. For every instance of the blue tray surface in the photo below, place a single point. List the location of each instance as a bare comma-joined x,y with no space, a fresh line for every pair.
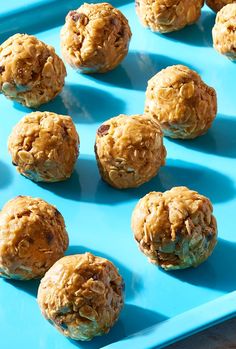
98,216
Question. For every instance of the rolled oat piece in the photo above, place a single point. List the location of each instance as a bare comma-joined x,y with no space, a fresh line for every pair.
224,31
182,104
95,38
44,146
31,73
216,5
175,229
129,150
82,296
168,15
32,238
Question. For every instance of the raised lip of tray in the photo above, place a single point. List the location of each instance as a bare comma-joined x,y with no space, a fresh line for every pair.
180,326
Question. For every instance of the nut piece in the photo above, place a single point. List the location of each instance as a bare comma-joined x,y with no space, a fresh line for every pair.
168,15
44,146
129,150
31,73
180,102
32,238
175,229
95,38
216,5
82,296
224,31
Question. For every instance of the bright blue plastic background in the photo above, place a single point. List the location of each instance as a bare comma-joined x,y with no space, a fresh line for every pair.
97,216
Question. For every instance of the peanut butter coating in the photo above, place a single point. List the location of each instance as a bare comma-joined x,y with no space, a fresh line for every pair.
31,73
95,38
129,150
182,104
175,229
82,296
32,238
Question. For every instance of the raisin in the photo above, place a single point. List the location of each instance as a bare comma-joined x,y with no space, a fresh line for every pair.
103,130
49,236
82,18
2,69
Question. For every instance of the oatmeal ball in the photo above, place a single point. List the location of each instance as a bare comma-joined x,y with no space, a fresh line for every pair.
95,38
82,296
224,31
180,102
168,15
129,150
175,229
44,146
32,238
31,73
216,5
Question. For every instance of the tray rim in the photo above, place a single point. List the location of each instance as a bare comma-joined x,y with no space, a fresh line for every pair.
202,317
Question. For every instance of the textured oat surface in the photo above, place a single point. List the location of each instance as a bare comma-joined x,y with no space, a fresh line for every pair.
44,146
129,150
168,15
181,102
82,296
216,5
224,31
95,38
175,229
32,238
31,73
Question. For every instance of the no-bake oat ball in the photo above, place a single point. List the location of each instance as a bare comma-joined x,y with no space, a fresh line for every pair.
32,238
224,31
180,102
216,5
31,73
95,38
168,15
175,229
44,146
129,150
82,296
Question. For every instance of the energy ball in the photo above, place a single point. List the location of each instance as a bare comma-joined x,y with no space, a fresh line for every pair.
180,102
168,15
95,38
129,150
31,73
82,296
32,238
224,31
175,229
44,146
216,5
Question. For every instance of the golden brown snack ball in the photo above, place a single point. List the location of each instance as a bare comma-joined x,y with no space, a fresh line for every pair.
32,238
82,296
224,31
129,150
44,146
95,38
175,229
31,73
168,15
216,5
180,102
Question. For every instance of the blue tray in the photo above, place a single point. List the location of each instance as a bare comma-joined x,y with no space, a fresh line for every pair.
160,307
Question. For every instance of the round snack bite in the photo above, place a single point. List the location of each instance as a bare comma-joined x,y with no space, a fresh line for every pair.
224,31
82,296
44,146
129,150
95,38
168,15
182,104
31,73
216,5
175,229
32,238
